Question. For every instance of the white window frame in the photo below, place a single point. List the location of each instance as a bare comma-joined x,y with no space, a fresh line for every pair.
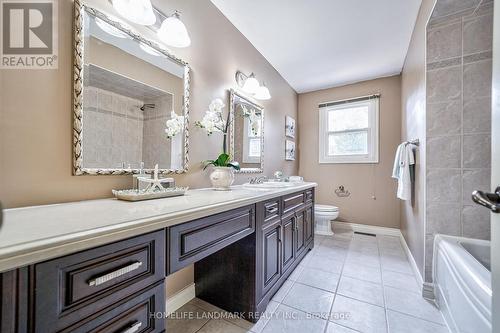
247,137
373,133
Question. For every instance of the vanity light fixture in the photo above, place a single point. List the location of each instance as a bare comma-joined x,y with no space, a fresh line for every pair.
136,11
262,93
173,32
109,29
250,85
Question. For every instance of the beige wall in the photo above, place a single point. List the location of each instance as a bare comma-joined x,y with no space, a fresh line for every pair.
36,115
373,191
413,127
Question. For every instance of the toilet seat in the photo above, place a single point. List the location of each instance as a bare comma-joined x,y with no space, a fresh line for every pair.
325,208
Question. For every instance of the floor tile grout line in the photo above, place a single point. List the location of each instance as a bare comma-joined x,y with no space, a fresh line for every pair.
387,328
337,287
361,301
325,290
420,318
203,325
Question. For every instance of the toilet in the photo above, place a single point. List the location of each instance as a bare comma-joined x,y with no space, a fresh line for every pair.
323,215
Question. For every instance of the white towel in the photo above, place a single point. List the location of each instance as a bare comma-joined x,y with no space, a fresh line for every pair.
401,170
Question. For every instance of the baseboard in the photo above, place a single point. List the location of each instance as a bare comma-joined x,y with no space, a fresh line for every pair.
427,289
179,299
414,267
372,229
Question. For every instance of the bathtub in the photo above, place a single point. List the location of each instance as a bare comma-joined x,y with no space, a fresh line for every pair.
462,282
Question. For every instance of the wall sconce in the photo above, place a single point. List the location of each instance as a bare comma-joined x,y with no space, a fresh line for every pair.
173,32
169,29
250,85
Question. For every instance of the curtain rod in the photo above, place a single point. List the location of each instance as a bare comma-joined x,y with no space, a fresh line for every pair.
349,100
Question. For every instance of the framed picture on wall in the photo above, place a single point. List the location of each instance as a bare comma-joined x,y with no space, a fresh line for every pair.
289,150
290,127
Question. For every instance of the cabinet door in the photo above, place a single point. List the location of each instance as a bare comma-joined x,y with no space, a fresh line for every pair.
271,252
309,225
288,225
300,231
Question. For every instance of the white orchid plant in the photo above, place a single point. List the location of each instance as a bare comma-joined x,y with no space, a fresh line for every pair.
213,121
174,125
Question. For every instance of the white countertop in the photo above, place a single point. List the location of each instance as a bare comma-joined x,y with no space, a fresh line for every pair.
33,234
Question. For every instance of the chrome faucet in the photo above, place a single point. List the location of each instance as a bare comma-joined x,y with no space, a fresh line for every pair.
258,180
278,176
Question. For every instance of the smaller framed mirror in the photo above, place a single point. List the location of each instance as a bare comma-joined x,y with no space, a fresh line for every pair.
246,132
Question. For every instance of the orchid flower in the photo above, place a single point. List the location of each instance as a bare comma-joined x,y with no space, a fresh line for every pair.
213,120
174,125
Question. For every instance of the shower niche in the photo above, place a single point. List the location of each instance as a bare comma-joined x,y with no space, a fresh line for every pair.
124,123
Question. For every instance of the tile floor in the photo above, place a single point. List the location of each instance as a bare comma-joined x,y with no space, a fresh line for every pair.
347,283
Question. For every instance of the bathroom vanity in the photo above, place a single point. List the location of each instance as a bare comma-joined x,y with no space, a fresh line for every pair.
100,265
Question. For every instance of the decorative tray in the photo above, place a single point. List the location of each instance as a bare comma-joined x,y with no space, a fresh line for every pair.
138,195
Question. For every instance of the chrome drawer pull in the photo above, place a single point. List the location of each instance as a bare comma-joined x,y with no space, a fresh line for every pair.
272,210
134,328
113,275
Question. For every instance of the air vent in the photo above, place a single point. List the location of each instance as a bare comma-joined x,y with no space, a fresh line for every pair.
365,233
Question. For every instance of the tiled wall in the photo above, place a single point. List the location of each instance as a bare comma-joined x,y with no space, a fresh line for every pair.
113,129
459,51
117,131
155,146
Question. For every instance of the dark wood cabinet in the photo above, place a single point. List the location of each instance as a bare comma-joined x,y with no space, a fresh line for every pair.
288,244
270,244
300,242
284,233
309,224
15,313
292,202
76,286
193,241
241,257
139,313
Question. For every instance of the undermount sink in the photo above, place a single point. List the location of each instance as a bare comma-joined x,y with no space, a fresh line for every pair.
270,185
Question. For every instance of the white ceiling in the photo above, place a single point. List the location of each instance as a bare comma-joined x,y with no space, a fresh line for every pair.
316,44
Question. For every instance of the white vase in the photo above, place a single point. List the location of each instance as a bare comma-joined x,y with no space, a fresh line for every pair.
222,178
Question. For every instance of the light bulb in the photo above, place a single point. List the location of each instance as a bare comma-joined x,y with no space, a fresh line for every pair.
136,11
262,93
251,85
173,32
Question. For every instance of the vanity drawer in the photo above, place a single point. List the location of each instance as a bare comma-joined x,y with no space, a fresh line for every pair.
293,201
192,241
271,209
76,286
139,313
309,195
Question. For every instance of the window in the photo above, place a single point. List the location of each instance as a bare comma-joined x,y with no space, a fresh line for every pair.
252,138
348,131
